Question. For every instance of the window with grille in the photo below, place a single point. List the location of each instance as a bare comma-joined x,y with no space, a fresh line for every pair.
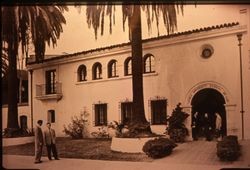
126,112
100,114
158,111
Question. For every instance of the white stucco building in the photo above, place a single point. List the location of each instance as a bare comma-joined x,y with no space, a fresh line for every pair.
199,68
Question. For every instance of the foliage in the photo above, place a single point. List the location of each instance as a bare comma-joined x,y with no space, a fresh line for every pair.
159,147
77,128
43,24
13,132
228,149
95,15
118,127
101,133
138,130
131,130
176,127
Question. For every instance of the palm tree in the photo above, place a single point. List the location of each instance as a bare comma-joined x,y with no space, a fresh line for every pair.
95,18
43,24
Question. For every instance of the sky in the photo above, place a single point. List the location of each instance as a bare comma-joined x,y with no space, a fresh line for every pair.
77,37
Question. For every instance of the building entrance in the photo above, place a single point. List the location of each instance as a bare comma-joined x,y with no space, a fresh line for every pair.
208,114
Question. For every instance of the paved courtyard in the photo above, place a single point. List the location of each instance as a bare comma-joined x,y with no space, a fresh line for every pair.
190,155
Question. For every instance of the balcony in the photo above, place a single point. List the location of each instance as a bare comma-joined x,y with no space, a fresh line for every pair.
52,92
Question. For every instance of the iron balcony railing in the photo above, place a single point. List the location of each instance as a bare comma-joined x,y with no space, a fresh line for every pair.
49,91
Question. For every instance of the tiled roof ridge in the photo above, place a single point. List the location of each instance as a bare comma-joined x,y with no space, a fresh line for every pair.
147,40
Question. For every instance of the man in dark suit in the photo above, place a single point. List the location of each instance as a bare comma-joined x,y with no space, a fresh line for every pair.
50,141
38,142
195,126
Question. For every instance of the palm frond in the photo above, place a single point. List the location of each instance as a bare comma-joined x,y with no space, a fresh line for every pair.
96,14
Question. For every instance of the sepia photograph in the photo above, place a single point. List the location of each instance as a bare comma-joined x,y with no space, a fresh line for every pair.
132,86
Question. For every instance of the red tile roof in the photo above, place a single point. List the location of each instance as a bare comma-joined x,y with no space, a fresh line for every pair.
226,25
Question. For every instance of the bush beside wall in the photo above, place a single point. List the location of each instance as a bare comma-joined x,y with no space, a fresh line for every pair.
228,149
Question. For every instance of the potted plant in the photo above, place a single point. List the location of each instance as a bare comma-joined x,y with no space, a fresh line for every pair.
176,129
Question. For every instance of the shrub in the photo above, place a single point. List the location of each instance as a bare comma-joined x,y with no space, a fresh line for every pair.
118,127
101,133
77,128
177,130
228,149
159,147
13,132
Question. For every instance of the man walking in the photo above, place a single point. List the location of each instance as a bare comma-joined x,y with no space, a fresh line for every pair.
38,142
50,141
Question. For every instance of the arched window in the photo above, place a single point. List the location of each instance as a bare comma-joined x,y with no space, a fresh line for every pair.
112,69
149,63
128,66
82,73
97,71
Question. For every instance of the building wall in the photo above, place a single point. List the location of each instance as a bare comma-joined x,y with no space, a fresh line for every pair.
180,73
23,110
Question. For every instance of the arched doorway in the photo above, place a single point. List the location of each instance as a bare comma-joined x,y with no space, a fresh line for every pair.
209,101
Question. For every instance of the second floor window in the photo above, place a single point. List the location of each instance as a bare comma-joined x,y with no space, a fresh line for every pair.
126,112
149,63
112,69
97,71
101,114
82,73
50,82
158,111
128,66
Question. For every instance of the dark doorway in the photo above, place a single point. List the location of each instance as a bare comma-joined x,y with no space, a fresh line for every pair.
209,101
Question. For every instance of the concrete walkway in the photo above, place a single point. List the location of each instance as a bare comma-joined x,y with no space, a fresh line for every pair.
187,156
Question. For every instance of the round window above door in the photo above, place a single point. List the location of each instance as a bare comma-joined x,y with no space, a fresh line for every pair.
206,51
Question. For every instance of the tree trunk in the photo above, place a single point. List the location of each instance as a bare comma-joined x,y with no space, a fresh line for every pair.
139,123
12,80
12,93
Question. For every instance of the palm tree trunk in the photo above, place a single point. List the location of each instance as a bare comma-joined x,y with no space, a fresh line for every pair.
12,93
12,79
138,118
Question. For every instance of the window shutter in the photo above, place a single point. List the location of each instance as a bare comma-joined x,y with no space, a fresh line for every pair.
105,114
94,117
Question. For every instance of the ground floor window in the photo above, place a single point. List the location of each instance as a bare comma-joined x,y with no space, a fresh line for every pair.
23,122
126,112
100,114
51,116
158,111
